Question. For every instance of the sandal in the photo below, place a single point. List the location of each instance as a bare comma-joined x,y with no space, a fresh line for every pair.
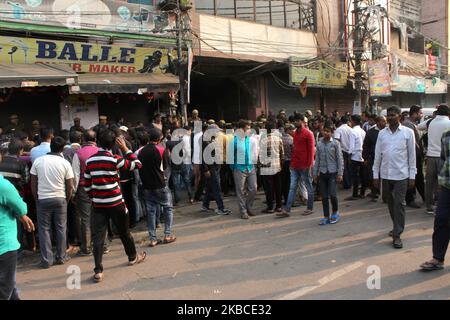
98,277
169,239
154,243
139,258
324,221
432,265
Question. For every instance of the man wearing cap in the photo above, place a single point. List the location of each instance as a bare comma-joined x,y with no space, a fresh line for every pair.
101,126
76,125
14,125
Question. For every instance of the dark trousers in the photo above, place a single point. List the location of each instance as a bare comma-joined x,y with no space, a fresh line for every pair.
347,170
328,190
286,180
272,188
394,192
420,180
200,187
226,179
213,189
127,193
8,263
73,226
359,177
100,220
441,234
375,192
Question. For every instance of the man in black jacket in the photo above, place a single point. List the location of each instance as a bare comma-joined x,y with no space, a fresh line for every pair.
370,142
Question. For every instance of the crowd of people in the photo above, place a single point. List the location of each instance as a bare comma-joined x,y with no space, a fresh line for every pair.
82,186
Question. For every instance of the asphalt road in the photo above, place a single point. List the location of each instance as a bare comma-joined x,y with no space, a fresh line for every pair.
224,257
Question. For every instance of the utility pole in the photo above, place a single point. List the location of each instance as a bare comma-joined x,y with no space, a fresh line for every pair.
180,60
358,51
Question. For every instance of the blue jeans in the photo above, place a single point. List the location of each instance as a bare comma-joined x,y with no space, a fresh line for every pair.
182,176
296,177
154,198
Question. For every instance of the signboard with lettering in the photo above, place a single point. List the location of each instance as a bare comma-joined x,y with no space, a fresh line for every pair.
322,74
88,57
106,15
379,79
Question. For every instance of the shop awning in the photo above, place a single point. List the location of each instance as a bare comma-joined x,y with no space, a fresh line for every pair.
125,83
36,75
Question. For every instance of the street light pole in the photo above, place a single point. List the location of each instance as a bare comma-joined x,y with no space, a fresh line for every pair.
358,52
180,59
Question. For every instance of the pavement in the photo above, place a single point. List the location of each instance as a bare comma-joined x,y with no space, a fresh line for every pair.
225,257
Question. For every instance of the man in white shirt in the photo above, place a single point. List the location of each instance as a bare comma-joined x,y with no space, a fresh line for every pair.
439,125
342,134
357,161
395,163
186,167
52,187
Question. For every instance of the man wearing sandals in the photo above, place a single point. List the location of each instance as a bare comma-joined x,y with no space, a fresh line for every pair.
395,163
441,234
101,182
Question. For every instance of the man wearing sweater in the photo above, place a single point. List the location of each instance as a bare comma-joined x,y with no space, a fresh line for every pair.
101,182
302,161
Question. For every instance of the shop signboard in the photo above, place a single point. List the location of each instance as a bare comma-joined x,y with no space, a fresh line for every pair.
322,74
102,15
86,57
407,83
379,79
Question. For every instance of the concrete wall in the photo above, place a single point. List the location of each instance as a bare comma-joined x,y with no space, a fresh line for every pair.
244,39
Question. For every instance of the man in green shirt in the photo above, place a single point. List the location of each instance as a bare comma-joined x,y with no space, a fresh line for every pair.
12,207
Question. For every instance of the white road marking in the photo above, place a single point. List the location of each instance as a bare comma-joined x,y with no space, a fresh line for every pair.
323,281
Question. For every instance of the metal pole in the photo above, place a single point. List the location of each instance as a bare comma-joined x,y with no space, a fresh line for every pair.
358,53
180,59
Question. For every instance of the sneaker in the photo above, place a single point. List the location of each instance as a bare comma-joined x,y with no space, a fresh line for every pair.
223,212
206,209
307,212
139,258
43,265
106,250
283,214
244,216
335,217
324,221
62,261
430,212
398,244
84,253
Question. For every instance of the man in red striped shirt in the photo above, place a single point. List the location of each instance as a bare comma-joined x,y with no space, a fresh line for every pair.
102,185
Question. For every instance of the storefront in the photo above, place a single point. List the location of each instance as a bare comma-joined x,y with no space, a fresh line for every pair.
55,81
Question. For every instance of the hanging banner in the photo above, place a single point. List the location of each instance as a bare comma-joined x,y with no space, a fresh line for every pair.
88,57
379,79
190,61
322,74
104,15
